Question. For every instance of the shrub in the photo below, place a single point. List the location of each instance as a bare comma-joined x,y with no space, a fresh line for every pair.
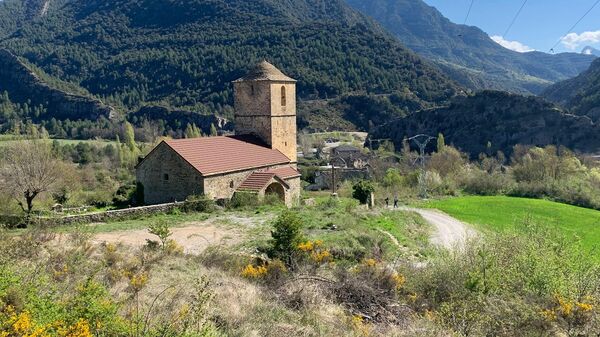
244,199
161,229
362,190
198,204
286,237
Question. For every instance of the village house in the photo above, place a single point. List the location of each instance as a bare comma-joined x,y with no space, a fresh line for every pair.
261,158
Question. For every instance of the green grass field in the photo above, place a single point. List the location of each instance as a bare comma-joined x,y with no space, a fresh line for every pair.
506,213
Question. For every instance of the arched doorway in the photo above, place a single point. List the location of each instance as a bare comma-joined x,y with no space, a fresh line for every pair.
276,189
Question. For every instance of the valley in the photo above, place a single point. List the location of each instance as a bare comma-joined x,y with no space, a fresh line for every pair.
208,168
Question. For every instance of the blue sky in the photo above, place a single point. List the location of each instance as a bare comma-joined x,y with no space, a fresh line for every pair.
541,24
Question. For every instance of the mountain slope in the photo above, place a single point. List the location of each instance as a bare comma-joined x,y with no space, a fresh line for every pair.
467,53
580,94
184,53
500,118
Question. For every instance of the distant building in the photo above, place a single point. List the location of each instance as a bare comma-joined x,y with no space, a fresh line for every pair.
261,158
352,156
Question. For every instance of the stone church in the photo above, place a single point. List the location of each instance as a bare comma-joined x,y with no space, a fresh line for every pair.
261,158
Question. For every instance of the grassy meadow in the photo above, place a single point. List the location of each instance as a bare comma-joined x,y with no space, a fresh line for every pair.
501,213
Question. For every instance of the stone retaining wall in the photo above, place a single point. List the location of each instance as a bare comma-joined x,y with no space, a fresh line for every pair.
115,215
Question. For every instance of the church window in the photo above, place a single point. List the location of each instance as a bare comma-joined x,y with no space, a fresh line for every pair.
231,184
166,177
252,89
283,97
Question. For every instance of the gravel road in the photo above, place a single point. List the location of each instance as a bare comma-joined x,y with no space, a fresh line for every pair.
449,232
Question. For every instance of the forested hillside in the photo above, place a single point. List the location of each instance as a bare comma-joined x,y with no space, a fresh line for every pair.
493,121
467,53
580,94
184,53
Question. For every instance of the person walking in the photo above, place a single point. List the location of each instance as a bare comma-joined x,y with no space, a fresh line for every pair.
396,201
387,202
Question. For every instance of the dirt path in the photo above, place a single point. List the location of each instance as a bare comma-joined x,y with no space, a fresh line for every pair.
194,238
449,232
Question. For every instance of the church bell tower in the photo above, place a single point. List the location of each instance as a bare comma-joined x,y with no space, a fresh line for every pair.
265,106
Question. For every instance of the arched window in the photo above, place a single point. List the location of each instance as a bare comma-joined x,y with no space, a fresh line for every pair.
283,97
231,184
252,89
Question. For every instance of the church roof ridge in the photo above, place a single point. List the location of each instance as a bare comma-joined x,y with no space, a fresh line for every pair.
265,71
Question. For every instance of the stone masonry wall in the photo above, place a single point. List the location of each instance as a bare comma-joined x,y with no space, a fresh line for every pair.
283,122
220,186
183,180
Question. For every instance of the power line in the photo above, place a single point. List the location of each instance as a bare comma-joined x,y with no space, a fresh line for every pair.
469,12
575,25
512,23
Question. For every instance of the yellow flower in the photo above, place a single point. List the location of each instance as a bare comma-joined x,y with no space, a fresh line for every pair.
399,280
549,315
370,262
321,256
307,246
250,271
138,281
585,307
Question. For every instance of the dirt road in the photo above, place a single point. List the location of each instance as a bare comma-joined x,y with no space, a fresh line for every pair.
449,232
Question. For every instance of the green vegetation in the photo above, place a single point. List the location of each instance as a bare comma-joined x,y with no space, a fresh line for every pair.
500,213
468,54
185,58
580,94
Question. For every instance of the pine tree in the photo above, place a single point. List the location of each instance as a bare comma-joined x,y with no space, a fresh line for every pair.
213,130
441,142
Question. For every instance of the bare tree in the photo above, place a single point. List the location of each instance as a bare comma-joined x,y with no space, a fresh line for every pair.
28,169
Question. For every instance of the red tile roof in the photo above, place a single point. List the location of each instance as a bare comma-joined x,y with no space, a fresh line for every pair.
286,172
216,155
256,181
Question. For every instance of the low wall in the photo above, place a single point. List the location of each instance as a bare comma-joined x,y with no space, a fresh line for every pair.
115,215
119,214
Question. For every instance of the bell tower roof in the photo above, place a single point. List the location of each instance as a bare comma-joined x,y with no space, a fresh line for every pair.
265,71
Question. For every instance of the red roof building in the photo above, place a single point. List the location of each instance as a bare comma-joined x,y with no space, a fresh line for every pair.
218,167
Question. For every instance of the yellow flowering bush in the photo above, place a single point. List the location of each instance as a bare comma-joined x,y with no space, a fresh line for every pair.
399,280
254,272
321,256
138,281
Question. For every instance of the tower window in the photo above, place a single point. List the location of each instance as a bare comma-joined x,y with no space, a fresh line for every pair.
252,89
283,97
166,177
231,184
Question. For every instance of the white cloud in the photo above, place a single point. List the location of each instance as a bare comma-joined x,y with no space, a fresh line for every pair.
512,45
574,41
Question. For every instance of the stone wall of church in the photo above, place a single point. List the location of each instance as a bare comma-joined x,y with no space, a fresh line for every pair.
268,110
223,186
292,196
167,178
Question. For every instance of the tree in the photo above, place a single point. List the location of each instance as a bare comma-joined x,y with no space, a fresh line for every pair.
286,236
441,142
161,229
29,169
213,130
362,190
130,136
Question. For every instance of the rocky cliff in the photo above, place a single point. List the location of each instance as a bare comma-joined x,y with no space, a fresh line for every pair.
501,119
179,119
24,86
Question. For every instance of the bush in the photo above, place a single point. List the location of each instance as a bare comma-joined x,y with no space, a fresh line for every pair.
286,236
244,199
198,204
362,190
481,183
